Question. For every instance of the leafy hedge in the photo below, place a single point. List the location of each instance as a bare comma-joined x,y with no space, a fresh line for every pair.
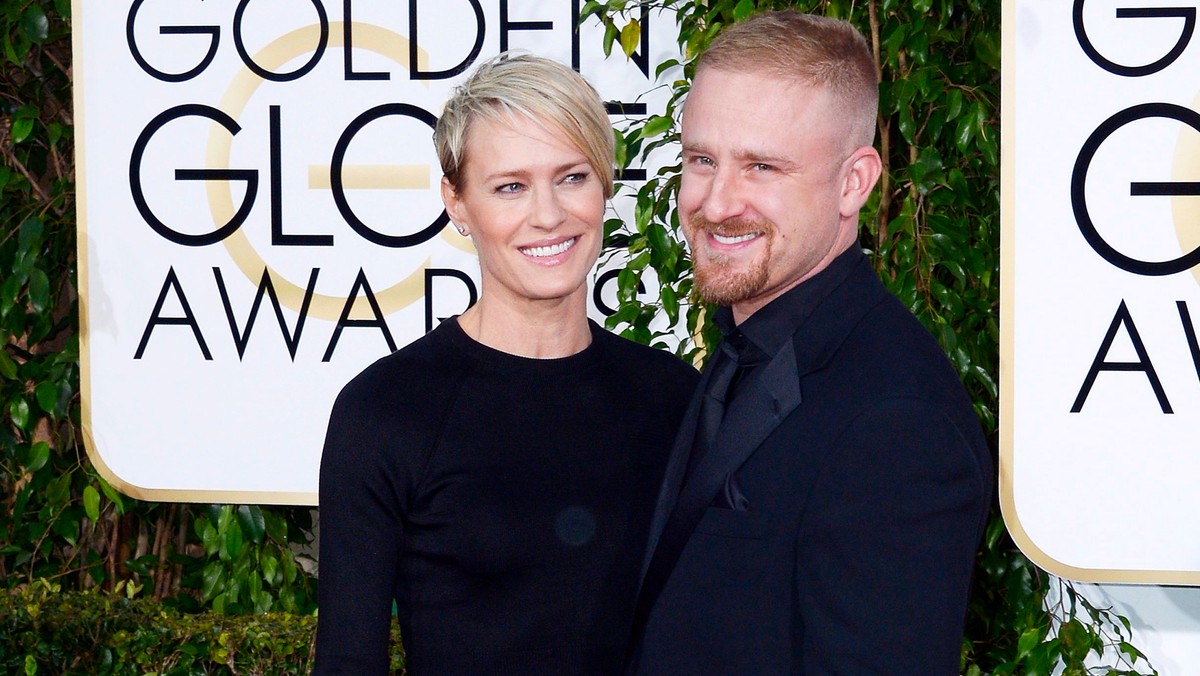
44,630
933,231
58,518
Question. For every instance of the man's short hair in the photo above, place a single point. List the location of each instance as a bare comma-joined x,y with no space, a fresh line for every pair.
812,50
542,90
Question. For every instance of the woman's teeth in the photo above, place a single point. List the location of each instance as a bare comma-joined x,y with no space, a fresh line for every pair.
550,250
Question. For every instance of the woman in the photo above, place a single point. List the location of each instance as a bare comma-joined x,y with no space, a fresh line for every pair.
496,478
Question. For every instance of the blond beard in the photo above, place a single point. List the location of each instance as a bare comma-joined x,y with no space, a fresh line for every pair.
716,279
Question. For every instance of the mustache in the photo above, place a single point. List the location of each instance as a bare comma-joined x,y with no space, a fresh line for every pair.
730,227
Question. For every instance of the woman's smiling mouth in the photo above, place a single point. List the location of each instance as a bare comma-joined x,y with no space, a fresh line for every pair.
548,250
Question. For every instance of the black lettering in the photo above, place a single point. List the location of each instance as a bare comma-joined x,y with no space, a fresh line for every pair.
1189,332
278,236
1188,14
339,190
156,318
242,337
430,274
1122,318
1079,183
507,26
265,74
414,68
135,177
213,32
360,284
348,49
601,282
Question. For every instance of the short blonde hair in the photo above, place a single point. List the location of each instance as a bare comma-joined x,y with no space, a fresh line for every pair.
540,89
813,50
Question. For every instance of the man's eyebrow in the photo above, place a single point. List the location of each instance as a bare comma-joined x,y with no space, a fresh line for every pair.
744,155
765,158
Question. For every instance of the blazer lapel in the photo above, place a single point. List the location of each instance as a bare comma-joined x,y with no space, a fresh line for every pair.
761,405
683,500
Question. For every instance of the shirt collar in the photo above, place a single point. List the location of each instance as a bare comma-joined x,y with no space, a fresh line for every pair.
769,328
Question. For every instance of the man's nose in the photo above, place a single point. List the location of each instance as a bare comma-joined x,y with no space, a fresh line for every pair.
725,198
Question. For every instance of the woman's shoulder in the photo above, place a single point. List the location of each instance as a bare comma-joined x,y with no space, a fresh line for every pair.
644,362
411,375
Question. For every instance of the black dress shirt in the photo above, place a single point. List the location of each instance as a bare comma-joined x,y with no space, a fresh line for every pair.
758,338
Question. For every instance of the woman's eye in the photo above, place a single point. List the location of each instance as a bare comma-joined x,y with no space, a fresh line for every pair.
577,177
509,188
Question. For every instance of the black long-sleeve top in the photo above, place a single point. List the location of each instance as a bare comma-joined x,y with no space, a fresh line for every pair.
501,502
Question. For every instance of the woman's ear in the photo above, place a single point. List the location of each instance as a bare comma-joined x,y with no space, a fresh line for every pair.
454,207
863,170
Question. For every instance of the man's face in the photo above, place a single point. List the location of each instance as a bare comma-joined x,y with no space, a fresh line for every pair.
771,185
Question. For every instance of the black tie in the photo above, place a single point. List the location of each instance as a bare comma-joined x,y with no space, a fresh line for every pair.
712,407
725,372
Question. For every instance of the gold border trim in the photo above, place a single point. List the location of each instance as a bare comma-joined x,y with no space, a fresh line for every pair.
1008,234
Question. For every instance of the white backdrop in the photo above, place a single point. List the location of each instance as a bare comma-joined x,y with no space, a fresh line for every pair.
1101,212
188,113
1106,493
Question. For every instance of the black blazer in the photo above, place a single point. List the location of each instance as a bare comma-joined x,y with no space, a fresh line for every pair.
868,480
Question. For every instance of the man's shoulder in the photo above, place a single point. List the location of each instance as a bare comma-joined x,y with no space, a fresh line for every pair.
888,352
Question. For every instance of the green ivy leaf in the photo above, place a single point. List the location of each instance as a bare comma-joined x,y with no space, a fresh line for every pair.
19,411
91,503
622,149
631,35
1076,640
39,455
610,36
213,579
743,9
8,368
112,495
656,126
233,542
35,24
252,522
22,127
39,290
1028,641
589,8
29,238
270,568
46,394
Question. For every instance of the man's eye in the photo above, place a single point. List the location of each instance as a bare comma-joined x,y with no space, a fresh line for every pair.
762,166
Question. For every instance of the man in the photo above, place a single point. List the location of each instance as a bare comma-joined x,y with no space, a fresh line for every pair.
830,484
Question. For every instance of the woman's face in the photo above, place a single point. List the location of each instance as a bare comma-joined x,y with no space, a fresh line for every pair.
534,208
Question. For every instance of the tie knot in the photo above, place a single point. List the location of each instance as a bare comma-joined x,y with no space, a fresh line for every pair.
739,349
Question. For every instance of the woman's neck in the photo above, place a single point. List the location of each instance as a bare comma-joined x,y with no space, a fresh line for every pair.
538,330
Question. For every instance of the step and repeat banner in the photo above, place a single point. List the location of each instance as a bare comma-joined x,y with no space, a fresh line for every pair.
259,216
1100,440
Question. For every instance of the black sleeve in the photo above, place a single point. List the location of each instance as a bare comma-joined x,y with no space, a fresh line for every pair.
886,550
361,498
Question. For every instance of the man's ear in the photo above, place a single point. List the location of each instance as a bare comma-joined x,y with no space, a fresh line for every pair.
863,168
454,207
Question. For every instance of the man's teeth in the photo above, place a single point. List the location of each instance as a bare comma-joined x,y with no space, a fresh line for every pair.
735,240
551,250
